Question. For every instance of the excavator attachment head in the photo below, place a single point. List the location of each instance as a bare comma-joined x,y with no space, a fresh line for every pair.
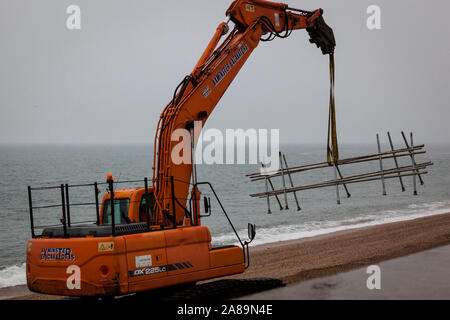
322,35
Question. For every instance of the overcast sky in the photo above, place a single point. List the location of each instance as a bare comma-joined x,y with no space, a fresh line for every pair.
109,81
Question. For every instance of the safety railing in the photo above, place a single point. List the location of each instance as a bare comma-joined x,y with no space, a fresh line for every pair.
65,204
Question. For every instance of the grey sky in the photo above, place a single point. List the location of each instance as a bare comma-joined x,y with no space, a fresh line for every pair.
108,82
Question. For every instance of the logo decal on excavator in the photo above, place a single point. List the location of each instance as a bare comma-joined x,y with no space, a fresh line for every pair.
222,73
168,267
206,91
243,49
146,271
57,254
226,68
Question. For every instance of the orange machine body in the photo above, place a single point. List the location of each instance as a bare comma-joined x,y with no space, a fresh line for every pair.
126,264
117,265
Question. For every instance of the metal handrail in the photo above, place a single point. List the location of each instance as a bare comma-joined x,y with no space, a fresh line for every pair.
65,205
244,244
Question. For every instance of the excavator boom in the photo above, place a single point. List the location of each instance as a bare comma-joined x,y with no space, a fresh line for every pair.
198,94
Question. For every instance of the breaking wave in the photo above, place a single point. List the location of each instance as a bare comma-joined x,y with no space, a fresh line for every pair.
315,228
12,276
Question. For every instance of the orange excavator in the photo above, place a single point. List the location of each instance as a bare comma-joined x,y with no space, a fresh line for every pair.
151,237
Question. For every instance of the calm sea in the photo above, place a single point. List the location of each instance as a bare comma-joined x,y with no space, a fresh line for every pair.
22,165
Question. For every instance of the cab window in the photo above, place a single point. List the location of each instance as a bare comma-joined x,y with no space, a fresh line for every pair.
121,207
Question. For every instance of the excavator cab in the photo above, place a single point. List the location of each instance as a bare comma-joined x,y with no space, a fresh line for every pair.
130,206
121,211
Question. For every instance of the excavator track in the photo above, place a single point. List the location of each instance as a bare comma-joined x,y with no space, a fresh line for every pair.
215,290
226,289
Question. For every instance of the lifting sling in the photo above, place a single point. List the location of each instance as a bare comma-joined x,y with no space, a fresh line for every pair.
332,146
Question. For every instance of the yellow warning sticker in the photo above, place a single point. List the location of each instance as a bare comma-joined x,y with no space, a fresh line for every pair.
250,8
105,246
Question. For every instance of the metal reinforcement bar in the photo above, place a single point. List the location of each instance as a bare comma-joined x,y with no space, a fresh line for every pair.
301,188
331,183
371,176
397,153
413,169
395,160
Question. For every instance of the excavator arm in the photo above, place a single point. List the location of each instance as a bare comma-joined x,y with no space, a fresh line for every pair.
197,95
278,19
